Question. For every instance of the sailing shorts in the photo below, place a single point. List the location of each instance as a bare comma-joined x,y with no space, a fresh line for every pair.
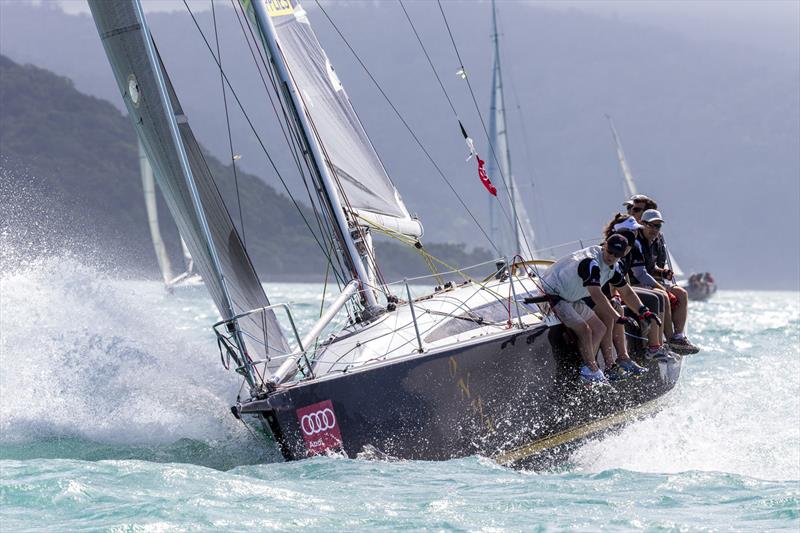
572,314
651,299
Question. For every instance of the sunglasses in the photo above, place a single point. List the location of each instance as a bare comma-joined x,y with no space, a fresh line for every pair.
617,254
636,209
655,226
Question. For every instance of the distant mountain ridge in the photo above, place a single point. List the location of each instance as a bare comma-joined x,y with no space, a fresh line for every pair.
75,157
710,129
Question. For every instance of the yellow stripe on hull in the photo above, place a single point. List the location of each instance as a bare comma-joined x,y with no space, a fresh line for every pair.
576,433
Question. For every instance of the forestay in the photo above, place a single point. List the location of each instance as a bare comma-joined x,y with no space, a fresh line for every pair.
209,234
365,183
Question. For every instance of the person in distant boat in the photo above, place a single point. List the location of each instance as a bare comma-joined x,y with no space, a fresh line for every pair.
627,226
645,268
582,274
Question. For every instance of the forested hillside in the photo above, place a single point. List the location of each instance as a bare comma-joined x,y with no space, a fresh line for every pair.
70,179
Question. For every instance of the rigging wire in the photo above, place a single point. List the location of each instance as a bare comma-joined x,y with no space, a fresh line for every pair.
228,126
253,129
290,140
292,137
483,124
407,126
526,145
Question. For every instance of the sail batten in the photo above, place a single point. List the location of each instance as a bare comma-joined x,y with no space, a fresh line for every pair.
183,176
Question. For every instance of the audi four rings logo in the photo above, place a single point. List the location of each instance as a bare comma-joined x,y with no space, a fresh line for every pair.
318,421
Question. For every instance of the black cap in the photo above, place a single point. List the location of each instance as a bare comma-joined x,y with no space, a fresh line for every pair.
617,244
628,234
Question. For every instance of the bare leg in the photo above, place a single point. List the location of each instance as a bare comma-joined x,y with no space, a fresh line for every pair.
606,340
584,334
620,343
598,331
681,310
667,320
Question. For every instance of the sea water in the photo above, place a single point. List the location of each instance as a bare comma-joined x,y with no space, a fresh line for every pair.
114,416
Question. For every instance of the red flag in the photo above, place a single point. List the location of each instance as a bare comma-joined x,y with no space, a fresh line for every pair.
484,178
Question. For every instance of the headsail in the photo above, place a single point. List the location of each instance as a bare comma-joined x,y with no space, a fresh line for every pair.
361,175
183,176
519,237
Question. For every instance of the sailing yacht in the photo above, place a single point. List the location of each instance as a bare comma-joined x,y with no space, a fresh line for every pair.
186,279
515,236
476,367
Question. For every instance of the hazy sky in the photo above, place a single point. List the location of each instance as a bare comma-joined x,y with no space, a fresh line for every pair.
699,118
770,23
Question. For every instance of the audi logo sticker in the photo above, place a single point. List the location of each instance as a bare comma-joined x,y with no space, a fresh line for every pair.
317,422
319,427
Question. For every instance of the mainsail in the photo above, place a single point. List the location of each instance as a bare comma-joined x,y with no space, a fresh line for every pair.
629,186
519,237
368,192
183,176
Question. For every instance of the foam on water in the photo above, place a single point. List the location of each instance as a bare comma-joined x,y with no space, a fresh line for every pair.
107,385
736,407
111,362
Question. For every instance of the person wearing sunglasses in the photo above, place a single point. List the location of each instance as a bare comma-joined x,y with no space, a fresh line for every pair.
582,274
649,269
638,204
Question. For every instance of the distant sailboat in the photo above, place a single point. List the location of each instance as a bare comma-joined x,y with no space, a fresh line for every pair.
472,368
515,236
187,278
629,189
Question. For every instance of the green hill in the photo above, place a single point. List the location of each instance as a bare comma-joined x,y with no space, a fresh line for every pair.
70,179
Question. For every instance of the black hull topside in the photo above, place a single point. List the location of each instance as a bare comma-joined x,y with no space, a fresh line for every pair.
515,398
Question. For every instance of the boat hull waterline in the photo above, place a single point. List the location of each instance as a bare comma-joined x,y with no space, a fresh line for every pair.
516,398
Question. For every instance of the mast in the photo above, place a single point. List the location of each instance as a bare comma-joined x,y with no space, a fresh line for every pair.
498,137
628,185
321,165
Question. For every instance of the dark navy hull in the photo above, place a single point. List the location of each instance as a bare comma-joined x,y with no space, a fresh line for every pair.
513,398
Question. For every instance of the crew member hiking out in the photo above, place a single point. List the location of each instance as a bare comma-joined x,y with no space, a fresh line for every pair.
582,274
649,268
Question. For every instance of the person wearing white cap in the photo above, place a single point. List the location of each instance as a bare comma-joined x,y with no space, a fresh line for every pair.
645,267
582,274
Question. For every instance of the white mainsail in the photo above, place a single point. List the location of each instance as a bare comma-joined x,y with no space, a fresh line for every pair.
185,180
366,190
518,236
629,186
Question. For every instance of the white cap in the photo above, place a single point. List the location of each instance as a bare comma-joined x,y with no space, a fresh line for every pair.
652,215
629,223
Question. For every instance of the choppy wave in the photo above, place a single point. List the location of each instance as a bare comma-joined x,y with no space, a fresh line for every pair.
113,406
98,368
